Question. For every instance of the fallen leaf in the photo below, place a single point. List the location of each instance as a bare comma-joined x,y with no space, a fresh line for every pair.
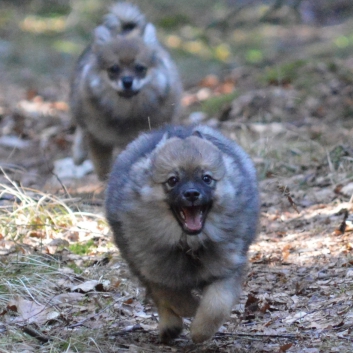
265,307
31,312
285,347
88,286
67,298
296,317
129,301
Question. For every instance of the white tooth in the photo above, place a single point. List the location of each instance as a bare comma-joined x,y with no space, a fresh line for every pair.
182,215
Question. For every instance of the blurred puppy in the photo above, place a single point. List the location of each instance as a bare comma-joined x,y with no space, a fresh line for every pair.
123,82
183,206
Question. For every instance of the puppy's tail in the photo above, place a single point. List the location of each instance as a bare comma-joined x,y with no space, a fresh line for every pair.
124,18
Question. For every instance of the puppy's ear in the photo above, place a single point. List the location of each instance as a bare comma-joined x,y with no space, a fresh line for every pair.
111,22
197,134
150,35
156,151
102,35
163,140
160,145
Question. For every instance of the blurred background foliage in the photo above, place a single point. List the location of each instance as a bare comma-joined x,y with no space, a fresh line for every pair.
40,39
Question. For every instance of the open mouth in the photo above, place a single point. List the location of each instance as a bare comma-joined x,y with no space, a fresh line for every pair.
192,218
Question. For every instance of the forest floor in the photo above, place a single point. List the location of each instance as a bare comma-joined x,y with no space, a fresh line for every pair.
66,289
63,285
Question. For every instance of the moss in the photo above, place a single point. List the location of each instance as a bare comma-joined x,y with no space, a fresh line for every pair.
77,269
82,249
213,106
173,21
283,74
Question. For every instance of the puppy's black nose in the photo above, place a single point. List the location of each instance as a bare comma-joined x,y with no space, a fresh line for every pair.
127,82
191,195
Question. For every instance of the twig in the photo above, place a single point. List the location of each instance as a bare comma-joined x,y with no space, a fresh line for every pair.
288,336
95,343
29,293
36,334
286,193
129,329
56,176
278,4
81,323
60,182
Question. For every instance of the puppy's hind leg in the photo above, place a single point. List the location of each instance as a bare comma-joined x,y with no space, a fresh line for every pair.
79,147
215,307
101,156
172,306
170,324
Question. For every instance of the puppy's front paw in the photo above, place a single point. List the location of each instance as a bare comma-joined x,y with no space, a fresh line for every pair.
201,332
169,333
170,325
215,307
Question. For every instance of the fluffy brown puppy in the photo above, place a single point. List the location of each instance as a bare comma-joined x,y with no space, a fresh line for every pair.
183,206
124,82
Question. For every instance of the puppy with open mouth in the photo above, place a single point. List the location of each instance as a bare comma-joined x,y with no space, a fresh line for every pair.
183,206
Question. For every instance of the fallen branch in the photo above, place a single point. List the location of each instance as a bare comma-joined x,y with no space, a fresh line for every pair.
255,335
36,334
129,329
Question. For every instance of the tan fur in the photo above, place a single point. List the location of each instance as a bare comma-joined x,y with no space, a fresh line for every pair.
187,154
215,307
172,306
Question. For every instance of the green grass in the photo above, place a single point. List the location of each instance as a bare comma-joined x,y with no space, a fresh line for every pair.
82,249
283,74
214,105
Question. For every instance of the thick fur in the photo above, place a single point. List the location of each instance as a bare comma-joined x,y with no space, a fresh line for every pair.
124,82
170,261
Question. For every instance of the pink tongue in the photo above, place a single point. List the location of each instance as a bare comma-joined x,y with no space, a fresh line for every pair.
193,218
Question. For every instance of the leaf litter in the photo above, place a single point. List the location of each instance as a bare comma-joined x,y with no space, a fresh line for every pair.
298,296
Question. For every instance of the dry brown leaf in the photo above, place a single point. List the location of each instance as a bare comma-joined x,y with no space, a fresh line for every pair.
210,81
37,234
31,312
264,307
129,301
252,303
285,347
286,251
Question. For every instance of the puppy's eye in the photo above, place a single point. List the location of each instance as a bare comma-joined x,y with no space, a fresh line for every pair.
114,69
207,179
140,69
172,181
